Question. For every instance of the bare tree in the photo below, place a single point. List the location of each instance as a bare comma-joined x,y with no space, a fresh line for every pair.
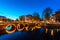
36,16
57,15
47,13
22,17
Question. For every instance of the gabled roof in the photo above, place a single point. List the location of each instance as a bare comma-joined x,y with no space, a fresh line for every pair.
2,17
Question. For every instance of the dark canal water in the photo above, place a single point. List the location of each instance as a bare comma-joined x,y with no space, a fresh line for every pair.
35,35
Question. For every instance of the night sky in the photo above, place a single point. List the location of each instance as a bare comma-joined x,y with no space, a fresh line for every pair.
15,8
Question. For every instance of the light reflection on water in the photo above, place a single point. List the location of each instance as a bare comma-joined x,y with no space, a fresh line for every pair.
9,28
26,35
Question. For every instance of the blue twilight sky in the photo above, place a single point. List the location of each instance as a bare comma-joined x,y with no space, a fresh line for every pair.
15,8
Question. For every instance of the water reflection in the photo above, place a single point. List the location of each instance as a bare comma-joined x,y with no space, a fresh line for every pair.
42,30
9,28
34,35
